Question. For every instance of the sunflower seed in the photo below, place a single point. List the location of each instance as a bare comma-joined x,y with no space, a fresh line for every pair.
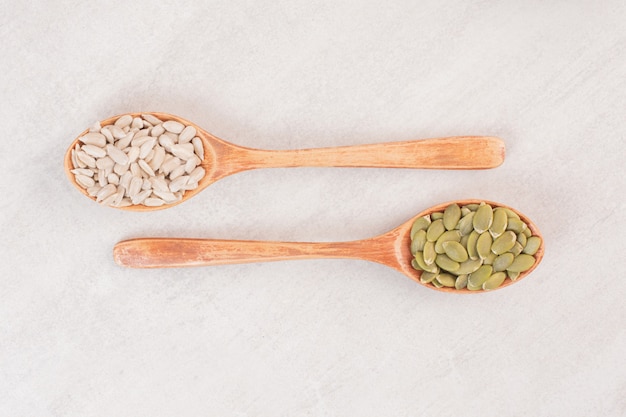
144,165
124,121
198,147
173,126
83,171
179,183
197,174
86,159
94,138
85,181
187,134
105,192
117,155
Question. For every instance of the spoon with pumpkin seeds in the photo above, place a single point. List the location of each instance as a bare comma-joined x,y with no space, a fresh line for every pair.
447,228
151,161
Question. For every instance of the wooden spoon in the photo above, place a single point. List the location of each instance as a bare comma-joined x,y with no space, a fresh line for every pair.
222,158
391,249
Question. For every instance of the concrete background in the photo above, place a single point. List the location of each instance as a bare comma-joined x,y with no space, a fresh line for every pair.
80,336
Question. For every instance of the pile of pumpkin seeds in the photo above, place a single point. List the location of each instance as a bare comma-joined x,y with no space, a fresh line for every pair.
475,246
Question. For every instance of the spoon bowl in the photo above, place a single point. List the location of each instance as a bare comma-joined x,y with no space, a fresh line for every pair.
222,158
391,249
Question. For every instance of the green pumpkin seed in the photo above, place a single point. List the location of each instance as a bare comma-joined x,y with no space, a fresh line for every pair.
469,266
461,282
521,263
451,216
494,281
466,224
415,265
516,249
504,243
516,225
471,244
436,216
483,245
454,235
464,211
420,223
502,262
436,283
435,230
445,263
418,242
532,245
500,220
510,213
483,218
477,278
428,277
455,251
446,280
429,253
472,207
419,258
522,239
490,258
464,240
513,275
527,232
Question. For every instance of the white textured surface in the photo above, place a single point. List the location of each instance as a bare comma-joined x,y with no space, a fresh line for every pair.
80,336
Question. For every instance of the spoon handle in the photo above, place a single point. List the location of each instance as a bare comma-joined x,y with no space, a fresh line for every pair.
462,152
180,252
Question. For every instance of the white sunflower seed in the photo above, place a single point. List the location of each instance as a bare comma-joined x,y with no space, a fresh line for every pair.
120,169
177,172
83,171
135,170
109,200
105,163
141,196
117,132
135,186
142,133
125,180
146,184
187,134
183,151
159,184
94,151
92,191
102,178
157,159
123,121
133,154
198,147
166,196
191,185
95,127
106,131
113,179
153,202
105,192
166,141
173,126
153,120
125,203
197,174
178,183
125,141
117,155
93,138
85,181
190,165
86,159
137,123
74,160
144,165
157,130
146,147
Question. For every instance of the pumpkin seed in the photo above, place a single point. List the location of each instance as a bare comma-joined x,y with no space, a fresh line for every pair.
472,207
436,283
464,211
455,251
419,258
415,265
494,281
435,230
451,216
466,224
522,239
516,249
490,258
527,232
504,242
446,236
483,219
446,280
461,282
471,244
468,266
502,262
464,240
429,253
420,223
444,262
483,245
477,278
498,226
516,225
521,263
436,216
513,275
510,213
418,242
532,245
428,277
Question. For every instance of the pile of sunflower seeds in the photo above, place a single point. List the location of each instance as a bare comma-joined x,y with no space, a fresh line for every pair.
138,161
475,247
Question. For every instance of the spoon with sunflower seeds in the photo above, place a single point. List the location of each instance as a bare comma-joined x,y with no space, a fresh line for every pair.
456,265
151,161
